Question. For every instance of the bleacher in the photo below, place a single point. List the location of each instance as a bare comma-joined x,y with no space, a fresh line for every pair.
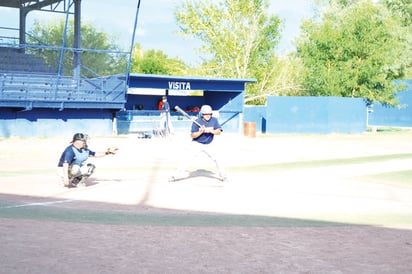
39,74
13,60
27,82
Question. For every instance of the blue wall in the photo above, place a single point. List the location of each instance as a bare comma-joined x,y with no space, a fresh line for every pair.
54,123
313,115
256,114
394,116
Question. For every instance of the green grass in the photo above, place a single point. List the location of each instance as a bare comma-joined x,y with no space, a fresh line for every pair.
319,163
398,178
154,219
390,129
199,219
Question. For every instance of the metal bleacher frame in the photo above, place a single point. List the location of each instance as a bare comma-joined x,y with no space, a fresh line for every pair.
26,82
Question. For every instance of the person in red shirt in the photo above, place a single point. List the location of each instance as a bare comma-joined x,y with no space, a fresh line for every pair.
165,120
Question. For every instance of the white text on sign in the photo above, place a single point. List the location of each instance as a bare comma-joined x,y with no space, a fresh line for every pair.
179,85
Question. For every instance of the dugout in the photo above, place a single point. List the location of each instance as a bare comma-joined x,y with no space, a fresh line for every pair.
225,96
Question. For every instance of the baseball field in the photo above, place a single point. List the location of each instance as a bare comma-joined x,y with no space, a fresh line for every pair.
293,204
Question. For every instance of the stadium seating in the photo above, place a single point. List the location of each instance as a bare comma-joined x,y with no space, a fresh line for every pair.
12,60
26,78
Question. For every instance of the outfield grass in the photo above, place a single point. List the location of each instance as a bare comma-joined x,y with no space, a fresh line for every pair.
320,163
398,178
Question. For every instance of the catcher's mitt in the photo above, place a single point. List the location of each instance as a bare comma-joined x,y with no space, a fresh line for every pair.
112,150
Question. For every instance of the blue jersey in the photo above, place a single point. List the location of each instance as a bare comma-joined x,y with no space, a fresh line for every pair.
205,138
73,155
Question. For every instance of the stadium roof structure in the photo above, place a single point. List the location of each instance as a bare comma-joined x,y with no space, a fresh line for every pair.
31,79
26,6
29,4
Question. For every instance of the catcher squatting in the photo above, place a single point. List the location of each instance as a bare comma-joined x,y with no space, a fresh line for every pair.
73,168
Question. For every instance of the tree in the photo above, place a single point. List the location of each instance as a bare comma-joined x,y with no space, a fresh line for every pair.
238,40
155,62
354,51
402,9
94,44
281,78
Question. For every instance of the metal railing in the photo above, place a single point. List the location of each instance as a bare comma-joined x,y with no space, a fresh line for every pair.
29,73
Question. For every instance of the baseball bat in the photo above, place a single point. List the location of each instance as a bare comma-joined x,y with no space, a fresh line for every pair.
177,108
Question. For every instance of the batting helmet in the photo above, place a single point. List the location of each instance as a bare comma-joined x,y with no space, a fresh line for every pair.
206,109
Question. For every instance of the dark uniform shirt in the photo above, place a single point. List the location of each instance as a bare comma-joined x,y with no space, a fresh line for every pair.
205,138
73,155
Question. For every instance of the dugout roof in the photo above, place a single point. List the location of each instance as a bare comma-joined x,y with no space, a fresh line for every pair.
167,82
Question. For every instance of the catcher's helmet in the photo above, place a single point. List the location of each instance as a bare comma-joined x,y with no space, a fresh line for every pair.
79,136
206,109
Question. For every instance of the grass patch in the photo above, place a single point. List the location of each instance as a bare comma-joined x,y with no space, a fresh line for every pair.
371,218
389,129
47,213
397,178
155,219
319,163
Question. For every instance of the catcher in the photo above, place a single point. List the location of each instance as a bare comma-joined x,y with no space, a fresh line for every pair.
73,168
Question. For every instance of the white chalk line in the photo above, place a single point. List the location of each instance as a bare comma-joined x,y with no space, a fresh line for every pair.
37,204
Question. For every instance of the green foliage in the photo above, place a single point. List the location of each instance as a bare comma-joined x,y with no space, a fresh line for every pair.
282,77
95,62
238,41
155,62
353,52
402,10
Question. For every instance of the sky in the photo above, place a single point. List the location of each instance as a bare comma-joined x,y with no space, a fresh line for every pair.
156,26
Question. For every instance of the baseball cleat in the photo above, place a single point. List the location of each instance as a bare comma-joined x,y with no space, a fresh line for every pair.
70,185
223,179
